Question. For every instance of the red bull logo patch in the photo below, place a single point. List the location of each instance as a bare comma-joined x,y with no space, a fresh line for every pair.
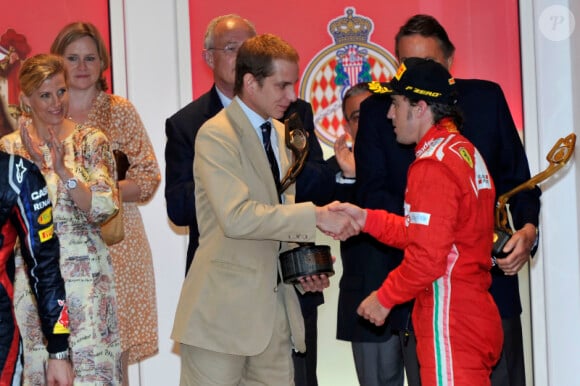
62,324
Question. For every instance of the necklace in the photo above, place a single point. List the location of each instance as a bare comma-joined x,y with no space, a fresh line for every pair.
83,114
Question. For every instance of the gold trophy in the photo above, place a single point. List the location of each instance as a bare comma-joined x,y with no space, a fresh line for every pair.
558,156
307,259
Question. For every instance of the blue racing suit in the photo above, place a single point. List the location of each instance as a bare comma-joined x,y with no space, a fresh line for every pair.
26,215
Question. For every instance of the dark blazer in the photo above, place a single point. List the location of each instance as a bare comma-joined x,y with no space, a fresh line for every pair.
342,192
360,266
315,183
181,130
382,166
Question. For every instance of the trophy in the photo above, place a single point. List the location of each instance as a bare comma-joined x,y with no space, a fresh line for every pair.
307,259
558,156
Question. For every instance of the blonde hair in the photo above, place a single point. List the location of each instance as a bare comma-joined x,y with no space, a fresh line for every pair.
75,31
38,68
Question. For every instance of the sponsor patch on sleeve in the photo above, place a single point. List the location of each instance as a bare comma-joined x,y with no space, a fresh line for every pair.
466,156
45,217
419,218
62,324
482,177
46,233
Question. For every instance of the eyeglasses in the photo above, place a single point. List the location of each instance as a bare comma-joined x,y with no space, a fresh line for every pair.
229,49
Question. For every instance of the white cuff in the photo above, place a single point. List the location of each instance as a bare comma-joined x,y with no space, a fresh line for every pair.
341,179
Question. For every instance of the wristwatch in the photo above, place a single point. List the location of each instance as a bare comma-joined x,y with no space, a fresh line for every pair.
341,179
71,183
62,355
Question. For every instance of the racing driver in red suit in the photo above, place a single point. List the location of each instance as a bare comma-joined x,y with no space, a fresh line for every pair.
26,215
446,233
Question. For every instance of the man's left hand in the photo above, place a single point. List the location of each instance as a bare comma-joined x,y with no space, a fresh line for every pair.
372,310
519,247
314,283
344,156
59,372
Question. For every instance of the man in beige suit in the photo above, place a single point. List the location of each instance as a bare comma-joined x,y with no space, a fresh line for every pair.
235,322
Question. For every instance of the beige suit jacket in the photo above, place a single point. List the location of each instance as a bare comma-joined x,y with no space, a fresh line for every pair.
228,300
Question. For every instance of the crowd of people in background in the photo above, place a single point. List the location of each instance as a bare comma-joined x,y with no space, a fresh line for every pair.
85,310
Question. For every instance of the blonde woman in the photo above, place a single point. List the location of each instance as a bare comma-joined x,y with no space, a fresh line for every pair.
77,164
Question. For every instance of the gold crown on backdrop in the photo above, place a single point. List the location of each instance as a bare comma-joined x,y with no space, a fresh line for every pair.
350,29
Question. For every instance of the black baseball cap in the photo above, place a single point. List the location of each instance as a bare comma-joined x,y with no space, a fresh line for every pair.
424,79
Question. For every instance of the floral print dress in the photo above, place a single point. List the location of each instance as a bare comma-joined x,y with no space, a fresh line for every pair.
85,264
132,259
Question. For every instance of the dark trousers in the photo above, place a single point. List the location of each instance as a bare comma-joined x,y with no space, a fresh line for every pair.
379,363
409,349
305,363
510,370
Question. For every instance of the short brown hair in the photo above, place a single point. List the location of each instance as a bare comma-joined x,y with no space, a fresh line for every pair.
77,30
428,27
256,56
38,68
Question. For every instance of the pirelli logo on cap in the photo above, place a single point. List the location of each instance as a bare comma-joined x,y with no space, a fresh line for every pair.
46,233
416,90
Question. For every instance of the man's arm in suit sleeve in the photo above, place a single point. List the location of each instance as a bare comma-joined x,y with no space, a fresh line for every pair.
179,185
524,206
316,181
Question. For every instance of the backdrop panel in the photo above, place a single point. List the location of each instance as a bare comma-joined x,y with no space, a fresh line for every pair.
486,36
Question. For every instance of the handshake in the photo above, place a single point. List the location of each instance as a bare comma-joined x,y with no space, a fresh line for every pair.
340,220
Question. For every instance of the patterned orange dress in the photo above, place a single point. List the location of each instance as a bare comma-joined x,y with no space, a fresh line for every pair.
132,260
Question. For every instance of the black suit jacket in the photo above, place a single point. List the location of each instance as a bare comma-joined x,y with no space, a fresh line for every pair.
382,166
313,184
181,130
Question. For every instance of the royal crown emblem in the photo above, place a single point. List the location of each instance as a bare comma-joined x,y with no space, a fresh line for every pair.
350,29
353,58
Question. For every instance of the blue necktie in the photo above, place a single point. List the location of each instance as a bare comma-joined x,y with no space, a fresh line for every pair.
266,130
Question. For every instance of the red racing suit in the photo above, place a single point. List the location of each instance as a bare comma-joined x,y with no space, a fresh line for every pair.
447,237
26,214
